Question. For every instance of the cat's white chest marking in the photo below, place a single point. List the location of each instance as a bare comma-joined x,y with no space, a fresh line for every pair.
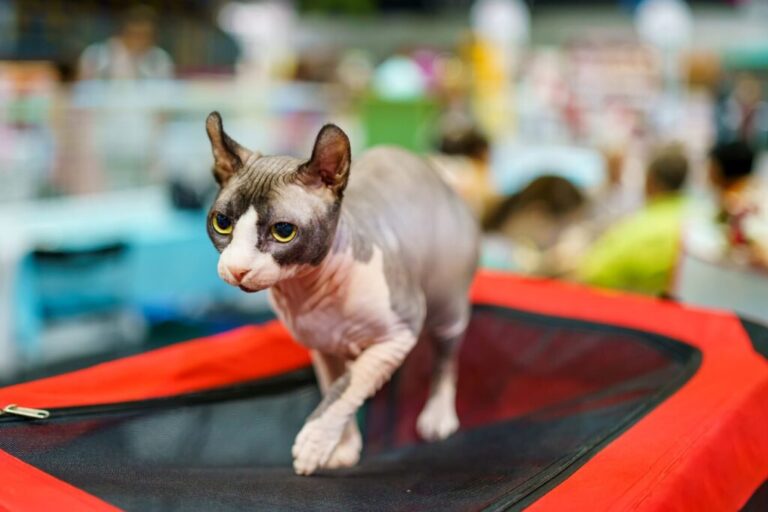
343,313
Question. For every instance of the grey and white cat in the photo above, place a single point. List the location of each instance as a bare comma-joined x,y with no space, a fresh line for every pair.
361,260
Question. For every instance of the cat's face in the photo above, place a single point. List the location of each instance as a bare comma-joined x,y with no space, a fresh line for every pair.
274,216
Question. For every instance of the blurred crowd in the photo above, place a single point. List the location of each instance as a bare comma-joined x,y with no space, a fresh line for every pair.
553,228
462,106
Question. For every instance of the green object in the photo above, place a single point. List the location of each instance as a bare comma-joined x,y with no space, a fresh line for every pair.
638,254
750,58
408,123
337,6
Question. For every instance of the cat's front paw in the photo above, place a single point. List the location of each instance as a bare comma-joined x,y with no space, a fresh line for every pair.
315,444
347,452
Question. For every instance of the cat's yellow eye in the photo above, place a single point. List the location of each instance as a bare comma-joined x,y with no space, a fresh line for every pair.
284,232
222,224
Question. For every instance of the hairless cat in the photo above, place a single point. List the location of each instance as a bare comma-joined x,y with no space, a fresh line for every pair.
362,260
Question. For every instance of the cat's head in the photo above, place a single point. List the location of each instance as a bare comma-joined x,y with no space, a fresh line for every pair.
274,216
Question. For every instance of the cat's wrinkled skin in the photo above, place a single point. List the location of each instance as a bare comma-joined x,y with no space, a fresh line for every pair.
384,253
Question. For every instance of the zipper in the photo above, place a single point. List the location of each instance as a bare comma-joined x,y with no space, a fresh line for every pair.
25,412
272,385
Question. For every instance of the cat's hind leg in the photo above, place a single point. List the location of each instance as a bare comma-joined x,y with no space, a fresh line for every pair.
438,418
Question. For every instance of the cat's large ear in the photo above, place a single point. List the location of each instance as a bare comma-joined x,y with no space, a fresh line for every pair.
228,155
330,161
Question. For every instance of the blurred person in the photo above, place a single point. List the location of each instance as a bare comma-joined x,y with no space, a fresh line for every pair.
463,159
742,114
129,55
639,254
621,193
317,64
742,215
122,146
731,165
542,226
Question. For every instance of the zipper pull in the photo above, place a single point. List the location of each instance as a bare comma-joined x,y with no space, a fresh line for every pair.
26,412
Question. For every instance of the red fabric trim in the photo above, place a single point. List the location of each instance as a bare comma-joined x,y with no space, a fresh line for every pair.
243,354
704,448
236,356
25,487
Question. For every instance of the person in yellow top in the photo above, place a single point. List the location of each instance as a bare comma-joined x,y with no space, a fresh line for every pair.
638,254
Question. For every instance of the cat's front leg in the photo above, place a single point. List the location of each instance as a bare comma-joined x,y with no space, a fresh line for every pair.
324,428
329,368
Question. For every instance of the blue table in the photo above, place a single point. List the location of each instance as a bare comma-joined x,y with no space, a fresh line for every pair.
170,261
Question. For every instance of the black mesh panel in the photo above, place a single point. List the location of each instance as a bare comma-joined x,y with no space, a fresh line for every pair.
537,397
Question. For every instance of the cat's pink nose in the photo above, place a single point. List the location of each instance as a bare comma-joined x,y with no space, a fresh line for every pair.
238,273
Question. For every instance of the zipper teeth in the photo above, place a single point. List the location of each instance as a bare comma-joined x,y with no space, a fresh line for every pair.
270,385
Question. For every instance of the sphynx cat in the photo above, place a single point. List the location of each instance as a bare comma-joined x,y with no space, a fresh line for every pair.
362,260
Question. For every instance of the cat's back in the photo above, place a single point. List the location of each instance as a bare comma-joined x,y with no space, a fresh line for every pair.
387,174
394,191
379,158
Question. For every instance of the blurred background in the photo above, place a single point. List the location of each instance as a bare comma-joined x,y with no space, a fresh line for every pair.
619,144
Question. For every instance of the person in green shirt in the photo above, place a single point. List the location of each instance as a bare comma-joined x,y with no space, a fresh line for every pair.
638,254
